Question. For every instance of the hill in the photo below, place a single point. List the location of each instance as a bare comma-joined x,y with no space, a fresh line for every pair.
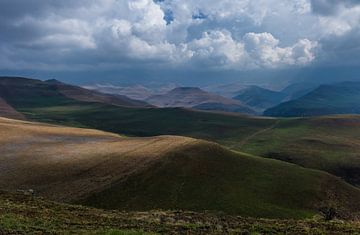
23,92
329,143
305,141
260,98
165,172
193,97
33,218
136,92
340,98
298,89
7,111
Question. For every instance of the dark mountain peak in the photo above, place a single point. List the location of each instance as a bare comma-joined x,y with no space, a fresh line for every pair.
186,89
18,80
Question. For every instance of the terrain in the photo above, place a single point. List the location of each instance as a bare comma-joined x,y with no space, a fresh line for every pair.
260,98
324,143
338,98
193,97
16,91
136,92
21,214
104,170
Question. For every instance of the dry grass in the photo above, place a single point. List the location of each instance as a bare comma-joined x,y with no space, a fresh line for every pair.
66,164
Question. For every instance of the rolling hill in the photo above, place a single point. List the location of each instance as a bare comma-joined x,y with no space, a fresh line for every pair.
326,143
193,97
339,98
22,92
165,172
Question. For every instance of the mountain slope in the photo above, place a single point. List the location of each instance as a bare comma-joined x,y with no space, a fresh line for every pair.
296,90
193,97
259,98
23,92
168,172
7,111
340,98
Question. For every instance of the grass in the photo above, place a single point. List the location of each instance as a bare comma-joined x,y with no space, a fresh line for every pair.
107,171
21,214
318,143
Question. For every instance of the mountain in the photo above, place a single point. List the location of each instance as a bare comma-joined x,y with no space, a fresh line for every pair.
137,92
340,98
259,98
193,97
296,90
105,170
22,92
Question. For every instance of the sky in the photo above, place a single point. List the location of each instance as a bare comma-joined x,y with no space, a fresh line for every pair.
190,41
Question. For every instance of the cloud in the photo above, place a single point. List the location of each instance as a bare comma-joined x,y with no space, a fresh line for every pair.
331,7
201,34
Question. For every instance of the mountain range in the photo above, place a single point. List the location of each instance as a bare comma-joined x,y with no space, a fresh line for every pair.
193,97
338,98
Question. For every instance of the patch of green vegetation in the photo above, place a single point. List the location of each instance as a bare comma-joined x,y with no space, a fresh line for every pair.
209,177
21,214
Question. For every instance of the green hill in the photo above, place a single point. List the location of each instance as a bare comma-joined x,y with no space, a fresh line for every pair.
326,143
340,98
166,172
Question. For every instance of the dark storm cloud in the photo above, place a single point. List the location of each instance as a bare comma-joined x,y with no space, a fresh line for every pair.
166,35
330,7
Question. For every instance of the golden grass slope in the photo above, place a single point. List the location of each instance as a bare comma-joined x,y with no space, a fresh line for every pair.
164,172
65,164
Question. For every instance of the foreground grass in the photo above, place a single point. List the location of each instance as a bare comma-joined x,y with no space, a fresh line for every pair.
20,214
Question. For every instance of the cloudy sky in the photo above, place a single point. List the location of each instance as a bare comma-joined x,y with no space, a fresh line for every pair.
160,39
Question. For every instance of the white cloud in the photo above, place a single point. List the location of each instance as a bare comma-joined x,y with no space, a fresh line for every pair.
227,34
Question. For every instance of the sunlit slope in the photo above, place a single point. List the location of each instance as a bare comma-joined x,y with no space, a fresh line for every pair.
329,143
304,141
167,172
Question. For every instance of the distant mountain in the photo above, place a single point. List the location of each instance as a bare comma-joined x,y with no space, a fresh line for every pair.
137,92
193,97
260,98
339,98
296,90
23,92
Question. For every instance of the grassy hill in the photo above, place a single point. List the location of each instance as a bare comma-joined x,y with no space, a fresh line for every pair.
340,98
20,214
326,143
21,92
166,172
